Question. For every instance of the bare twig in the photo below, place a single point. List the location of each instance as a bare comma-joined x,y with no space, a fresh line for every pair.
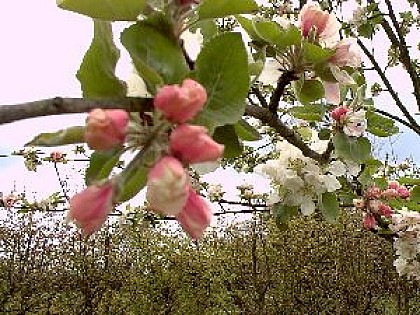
399,41
269,118
59,105
413,124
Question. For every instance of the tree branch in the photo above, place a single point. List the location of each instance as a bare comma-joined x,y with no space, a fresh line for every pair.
285,79
413,124
271,119
404,54
59,105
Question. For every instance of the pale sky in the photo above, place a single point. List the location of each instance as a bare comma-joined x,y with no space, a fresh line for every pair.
42,47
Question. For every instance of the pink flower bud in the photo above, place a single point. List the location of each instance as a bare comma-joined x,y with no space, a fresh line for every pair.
393,184
389,193
90,208
369,222
339,113
56,156
106,129
346,54
181,103
373,192
196,215
192,144
359,203
167,186
313,19
403,192
385,210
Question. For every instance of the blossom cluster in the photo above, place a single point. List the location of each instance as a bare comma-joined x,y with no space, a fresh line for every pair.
323,27
375,206
169,189
406,225
299,180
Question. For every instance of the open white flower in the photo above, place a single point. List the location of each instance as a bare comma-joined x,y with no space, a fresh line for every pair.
355,123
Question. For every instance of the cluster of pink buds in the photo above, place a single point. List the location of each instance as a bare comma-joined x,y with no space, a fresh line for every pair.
169,191
57,156
374,203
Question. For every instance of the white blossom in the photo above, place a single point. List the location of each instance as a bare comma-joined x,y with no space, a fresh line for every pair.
355,123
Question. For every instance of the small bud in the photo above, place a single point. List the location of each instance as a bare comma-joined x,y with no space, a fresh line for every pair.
192,144
167,186
106,129
179,104
90,208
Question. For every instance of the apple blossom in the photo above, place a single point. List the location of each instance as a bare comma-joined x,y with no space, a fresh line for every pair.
393,184
192,144
179,104
167,186
389,193
347,54
90,208
195,216
323,24
355,123
385,210
332,92
359,203
106,129
339,113
373,192
403,192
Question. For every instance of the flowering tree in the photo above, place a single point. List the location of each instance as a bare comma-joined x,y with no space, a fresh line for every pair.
198,110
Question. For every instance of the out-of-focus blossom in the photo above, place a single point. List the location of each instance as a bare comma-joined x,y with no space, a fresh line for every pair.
192,144
181,103
90,208
347,54
359,203
323,24
106,129
195,216
167,186
403,192
389,193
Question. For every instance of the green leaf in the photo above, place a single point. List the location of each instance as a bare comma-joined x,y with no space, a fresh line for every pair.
409,181
226,135
274,34
246,132
248,26
305,133
380,126
209,9
101,164
133,181
208,29
351,148
316,54
329,206
225,75
283,214
70,135
156,55
324,134
366,176
308,112
308,91
415,194
97,71
109,10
